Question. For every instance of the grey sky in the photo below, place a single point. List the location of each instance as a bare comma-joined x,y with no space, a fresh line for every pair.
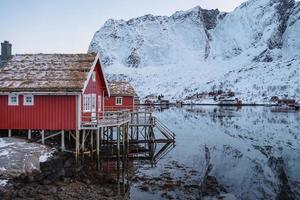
67,26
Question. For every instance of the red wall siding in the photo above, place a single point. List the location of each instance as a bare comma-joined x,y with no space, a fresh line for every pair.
97,88
110,103
47,113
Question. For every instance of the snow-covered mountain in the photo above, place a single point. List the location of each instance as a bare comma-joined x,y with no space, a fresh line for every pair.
253,51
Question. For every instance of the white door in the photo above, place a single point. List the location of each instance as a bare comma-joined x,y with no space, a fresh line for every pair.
99,103
94,106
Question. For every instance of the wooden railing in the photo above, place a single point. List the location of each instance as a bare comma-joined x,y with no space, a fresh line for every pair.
95,119
141,118
118,108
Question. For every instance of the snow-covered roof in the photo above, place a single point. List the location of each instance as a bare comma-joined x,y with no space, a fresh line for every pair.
45,72
120,88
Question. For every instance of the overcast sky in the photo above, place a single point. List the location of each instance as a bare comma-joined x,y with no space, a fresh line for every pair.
67,26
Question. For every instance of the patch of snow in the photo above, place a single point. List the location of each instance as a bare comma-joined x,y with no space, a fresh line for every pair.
4,143
4,152
3,183
18,156
44,157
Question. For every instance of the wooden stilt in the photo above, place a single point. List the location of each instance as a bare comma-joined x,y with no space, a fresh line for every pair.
137,127
126,136
29,134
43,136
77,146
118,146
63,140
83,140
9,133
92,143
98,143
123,140
110,138
101,130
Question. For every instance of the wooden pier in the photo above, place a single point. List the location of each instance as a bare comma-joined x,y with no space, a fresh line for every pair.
113,135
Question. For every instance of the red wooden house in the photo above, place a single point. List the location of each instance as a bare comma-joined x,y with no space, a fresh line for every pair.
56,91
121,96
51,91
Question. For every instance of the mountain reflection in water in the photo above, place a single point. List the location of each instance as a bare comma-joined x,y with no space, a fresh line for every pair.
229,152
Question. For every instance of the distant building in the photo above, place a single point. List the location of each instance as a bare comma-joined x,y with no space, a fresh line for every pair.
151,99
122,96
286,101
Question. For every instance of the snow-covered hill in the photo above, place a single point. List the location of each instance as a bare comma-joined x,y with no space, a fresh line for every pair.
253,51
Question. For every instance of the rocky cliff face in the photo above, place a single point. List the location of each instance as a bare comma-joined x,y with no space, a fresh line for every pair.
202,47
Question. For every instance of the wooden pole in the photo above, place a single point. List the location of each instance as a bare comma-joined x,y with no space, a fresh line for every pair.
98,143
137,128
100,138
9,133
126,144
92,143
83,140
110,137
77,146
123,145
29,134
63,148
43,136
118,147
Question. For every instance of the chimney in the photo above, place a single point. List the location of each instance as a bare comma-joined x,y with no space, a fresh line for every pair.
5,50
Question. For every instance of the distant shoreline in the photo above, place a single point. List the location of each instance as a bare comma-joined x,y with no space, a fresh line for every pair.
209,104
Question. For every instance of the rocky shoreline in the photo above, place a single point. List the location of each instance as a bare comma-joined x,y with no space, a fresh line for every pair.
61,178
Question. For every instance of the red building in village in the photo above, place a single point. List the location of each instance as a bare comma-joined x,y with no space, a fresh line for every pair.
56,91
121,96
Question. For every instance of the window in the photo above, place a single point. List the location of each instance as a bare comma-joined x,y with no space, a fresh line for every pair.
86,103
119,100
28,100
13,100
99,103
94,76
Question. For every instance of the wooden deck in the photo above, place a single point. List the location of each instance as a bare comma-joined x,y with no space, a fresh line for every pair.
119,129
106,119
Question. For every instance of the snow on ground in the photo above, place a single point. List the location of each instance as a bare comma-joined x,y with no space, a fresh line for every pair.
4,143
3,183
18,156
44,157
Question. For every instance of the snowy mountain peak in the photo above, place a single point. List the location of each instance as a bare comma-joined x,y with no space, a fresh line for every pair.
205,48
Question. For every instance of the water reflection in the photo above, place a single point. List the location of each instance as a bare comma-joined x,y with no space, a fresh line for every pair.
123,175
243,153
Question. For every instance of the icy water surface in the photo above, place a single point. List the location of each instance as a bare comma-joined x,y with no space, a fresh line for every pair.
229,153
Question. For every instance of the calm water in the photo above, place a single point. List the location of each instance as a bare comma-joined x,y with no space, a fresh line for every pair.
246,153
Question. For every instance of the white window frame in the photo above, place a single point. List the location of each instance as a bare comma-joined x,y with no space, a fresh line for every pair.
10,103
121,101
94,76
87,100
25,103
99,103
